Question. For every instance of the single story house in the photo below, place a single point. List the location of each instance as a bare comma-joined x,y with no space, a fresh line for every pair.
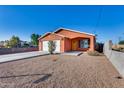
67,40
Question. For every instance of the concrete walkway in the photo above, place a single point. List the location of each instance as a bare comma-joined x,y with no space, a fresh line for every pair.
16,56
73,53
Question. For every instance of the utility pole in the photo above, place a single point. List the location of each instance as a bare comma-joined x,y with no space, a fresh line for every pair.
98,21
119,38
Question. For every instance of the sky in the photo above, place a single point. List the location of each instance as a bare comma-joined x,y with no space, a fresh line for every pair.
105,21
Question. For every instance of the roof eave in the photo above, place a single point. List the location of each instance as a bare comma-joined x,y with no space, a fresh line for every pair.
73,31
44,35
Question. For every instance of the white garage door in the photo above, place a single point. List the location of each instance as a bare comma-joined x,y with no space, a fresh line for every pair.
57,46
45,45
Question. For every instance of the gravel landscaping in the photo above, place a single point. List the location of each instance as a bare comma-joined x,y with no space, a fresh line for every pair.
60,71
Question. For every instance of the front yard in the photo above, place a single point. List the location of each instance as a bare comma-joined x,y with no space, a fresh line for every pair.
60,71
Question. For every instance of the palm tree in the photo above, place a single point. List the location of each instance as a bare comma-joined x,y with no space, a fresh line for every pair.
34,39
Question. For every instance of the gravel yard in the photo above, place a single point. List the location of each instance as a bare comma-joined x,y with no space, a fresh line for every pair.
60,71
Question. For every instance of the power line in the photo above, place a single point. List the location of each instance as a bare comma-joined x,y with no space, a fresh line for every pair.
98,20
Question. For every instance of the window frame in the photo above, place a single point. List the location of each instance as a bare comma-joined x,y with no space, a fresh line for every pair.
83,41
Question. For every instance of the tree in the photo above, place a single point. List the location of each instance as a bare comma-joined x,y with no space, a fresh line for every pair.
99,47
25,45
7,44
51,46
34,39
14,41
121,42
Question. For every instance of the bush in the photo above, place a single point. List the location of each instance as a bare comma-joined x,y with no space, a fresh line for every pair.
121,42
119,48
51,46
99,47
94,53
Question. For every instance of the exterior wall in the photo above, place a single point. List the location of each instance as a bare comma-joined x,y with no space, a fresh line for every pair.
115,57
68,44
78,48
52,37
62,48
92,43
71,34
74,35
40,45
16,50
65,43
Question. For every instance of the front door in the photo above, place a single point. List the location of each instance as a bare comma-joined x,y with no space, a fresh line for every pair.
74,44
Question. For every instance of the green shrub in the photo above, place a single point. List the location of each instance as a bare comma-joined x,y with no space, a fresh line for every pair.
94,53
51,46
121,42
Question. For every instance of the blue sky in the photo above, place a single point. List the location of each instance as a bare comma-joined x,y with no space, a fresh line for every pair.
22,21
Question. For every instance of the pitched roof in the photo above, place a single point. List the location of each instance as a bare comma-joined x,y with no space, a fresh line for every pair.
72,31
52,33
63,35
44,35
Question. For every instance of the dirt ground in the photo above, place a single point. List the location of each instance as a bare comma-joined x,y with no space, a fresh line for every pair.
60,71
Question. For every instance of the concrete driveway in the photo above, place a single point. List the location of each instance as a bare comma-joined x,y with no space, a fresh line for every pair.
17,56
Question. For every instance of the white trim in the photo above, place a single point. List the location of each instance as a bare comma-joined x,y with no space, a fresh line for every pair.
73,31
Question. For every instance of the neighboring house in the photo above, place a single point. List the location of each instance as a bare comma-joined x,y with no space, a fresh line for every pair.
1,46
24,44
68,40
2,43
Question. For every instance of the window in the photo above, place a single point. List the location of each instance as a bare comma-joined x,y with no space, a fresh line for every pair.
84,43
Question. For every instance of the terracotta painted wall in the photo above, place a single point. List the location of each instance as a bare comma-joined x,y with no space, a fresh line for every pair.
67,45
71,34
40,45
75,35
51,37
78,45
62,45
92,43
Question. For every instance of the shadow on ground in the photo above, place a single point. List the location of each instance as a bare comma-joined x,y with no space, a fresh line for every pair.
23,75
43,78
